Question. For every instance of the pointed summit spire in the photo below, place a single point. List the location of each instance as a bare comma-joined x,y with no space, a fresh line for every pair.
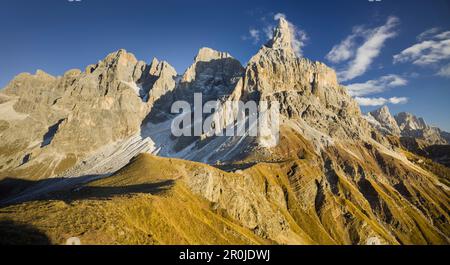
282,36
386,120
385,109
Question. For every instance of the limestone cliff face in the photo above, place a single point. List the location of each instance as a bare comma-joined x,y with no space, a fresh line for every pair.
213,73
164,76
75,114
307,91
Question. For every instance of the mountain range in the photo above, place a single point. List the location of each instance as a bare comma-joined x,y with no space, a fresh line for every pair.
90,154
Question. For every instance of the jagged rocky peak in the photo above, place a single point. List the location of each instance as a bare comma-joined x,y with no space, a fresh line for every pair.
212,62
279,69
308,92
43,75
160,68
206,54
30,86
161,80
282,36
117,59
408,121
120,72
119,65
154,66
214,73
386,120
414,127
92,108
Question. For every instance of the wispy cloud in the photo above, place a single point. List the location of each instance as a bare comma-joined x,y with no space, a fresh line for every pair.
427,33
430,51
445,71
376,86
373,41
380,101
278,16
346,49
268,31
443,36
254,34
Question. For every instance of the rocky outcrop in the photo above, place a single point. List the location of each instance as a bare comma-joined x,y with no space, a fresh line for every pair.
384,121
414,127
406,125
213,73
308,92
104,104
409,122
164,76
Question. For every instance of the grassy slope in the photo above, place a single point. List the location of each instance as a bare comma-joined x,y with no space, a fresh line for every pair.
171,215
364,193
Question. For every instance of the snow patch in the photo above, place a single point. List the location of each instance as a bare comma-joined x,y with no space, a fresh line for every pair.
138,89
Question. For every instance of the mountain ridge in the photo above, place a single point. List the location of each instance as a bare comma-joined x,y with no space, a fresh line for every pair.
332,179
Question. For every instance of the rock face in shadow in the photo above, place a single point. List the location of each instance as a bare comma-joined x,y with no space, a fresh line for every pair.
213,74
13,233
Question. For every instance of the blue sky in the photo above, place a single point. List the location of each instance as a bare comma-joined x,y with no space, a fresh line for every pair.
370,40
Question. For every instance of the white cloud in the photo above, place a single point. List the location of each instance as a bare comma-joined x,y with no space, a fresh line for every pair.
445,71
268,31
346,49
370,101
425,53
278,16
343,51
396,100
432,49
376,86
380,101
254,34
443,36
373,42
298,41
370,49
427,33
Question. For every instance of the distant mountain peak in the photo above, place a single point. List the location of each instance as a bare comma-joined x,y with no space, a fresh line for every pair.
158,68
385,119
408,121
